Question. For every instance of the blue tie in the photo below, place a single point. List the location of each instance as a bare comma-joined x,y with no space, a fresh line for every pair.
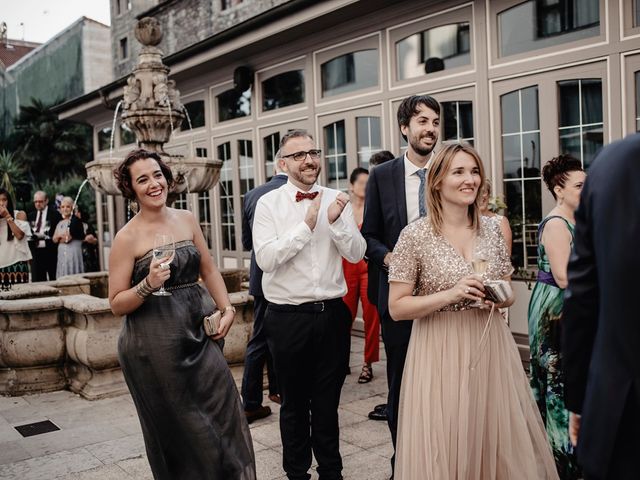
422,208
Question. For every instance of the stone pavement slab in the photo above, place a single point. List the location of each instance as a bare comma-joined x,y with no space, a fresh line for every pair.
101,440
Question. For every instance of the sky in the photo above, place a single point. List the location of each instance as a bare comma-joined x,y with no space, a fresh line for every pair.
43,19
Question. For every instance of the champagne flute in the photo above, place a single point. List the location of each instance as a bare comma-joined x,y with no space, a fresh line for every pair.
479,263
164,250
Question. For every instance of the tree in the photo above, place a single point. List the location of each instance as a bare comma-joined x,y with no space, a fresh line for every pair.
51,149
11,172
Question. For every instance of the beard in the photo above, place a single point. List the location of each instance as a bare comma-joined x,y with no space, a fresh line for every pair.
421,150
306,175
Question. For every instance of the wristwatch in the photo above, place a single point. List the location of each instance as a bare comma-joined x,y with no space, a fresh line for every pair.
227,308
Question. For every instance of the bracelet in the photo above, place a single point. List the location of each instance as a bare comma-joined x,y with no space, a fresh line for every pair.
228,308
144,289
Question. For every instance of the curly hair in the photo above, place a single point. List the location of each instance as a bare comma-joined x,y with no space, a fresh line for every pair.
409,107
123,174
556,171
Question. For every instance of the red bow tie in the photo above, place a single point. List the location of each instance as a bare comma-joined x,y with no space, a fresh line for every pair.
302,195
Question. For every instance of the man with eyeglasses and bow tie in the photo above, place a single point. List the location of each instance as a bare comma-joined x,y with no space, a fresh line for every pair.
301,231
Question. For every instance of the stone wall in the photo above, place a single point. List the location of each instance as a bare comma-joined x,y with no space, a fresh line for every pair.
69,65
184,22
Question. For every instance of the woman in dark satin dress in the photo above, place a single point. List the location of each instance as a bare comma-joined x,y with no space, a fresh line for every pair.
189,408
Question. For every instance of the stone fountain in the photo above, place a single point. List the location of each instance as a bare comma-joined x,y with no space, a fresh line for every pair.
62,334
151,108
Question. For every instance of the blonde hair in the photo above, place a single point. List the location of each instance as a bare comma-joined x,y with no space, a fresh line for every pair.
438,170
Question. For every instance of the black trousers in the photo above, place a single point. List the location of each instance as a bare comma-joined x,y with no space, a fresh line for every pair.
310,345
257,355
395,336
45,262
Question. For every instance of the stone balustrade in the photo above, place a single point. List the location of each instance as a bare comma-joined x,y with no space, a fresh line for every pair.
70,340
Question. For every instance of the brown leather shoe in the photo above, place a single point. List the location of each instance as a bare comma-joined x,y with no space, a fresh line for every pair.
257,414
275,398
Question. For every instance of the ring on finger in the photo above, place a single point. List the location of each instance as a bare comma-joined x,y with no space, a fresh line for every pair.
467,290
164,266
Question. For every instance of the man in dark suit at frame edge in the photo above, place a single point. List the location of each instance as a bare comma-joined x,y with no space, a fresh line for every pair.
601,332
45,253
257,348
396,197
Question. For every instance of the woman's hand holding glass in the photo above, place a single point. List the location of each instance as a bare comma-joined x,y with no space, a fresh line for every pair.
157,274
468,288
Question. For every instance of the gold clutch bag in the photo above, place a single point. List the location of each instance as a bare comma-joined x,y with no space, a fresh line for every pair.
211,323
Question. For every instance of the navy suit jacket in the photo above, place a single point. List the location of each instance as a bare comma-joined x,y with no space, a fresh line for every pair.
601,324
250,200
385,215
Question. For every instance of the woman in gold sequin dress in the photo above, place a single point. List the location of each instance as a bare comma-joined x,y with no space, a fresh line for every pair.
466,410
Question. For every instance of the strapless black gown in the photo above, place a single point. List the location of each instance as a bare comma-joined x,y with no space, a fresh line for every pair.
192,419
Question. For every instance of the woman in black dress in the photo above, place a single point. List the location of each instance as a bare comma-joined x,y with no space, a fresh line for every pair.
189,408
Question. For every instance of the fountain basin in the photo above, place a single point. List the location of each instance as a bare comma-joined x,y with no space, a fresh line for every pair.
69,340
192,174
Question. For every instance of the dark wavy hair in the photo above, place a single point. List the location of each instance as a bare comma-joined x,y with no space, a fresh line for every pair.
409,107
556,171
356,173
5,192
123,174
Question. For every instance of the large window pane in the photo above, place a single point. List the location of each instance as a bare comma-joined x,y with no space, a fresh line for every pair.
195,114
233,104
510,109
638,99
350,72
104,138
530,155
432,50
511,155
336,157
569,103
246,171
205,217
458,121
226,197
369,140
271,143
543,23
283,90
591,101
521,171
592,141
529,98
580,118
127,137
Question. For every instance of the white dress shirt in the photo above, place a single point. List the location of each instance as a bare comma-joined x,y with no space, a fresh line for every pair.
301,265
411,187
43,225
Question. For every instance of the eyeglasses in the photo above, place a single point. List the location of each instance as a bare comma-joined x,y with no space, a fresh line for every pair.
300,156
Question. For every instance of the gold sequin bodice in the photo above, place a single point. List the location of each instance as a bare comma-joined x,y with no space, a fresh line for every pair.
428,261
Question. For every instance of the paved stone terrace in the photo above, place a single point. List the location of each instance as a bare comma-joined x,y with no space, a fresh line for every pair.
101,440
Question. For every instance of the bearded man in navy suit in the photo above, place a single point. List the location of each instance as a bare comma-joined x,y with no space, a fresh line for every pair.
257,350
396,197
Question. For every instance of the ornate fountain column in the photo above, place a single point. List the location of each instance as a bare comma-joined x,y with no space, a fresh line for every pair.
151,108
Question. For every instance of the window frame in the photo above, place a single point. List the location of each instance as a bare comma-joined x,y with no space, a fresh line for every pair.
495,59
627,29
547,82
372,41
298,63
220,88
630,111
464,13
